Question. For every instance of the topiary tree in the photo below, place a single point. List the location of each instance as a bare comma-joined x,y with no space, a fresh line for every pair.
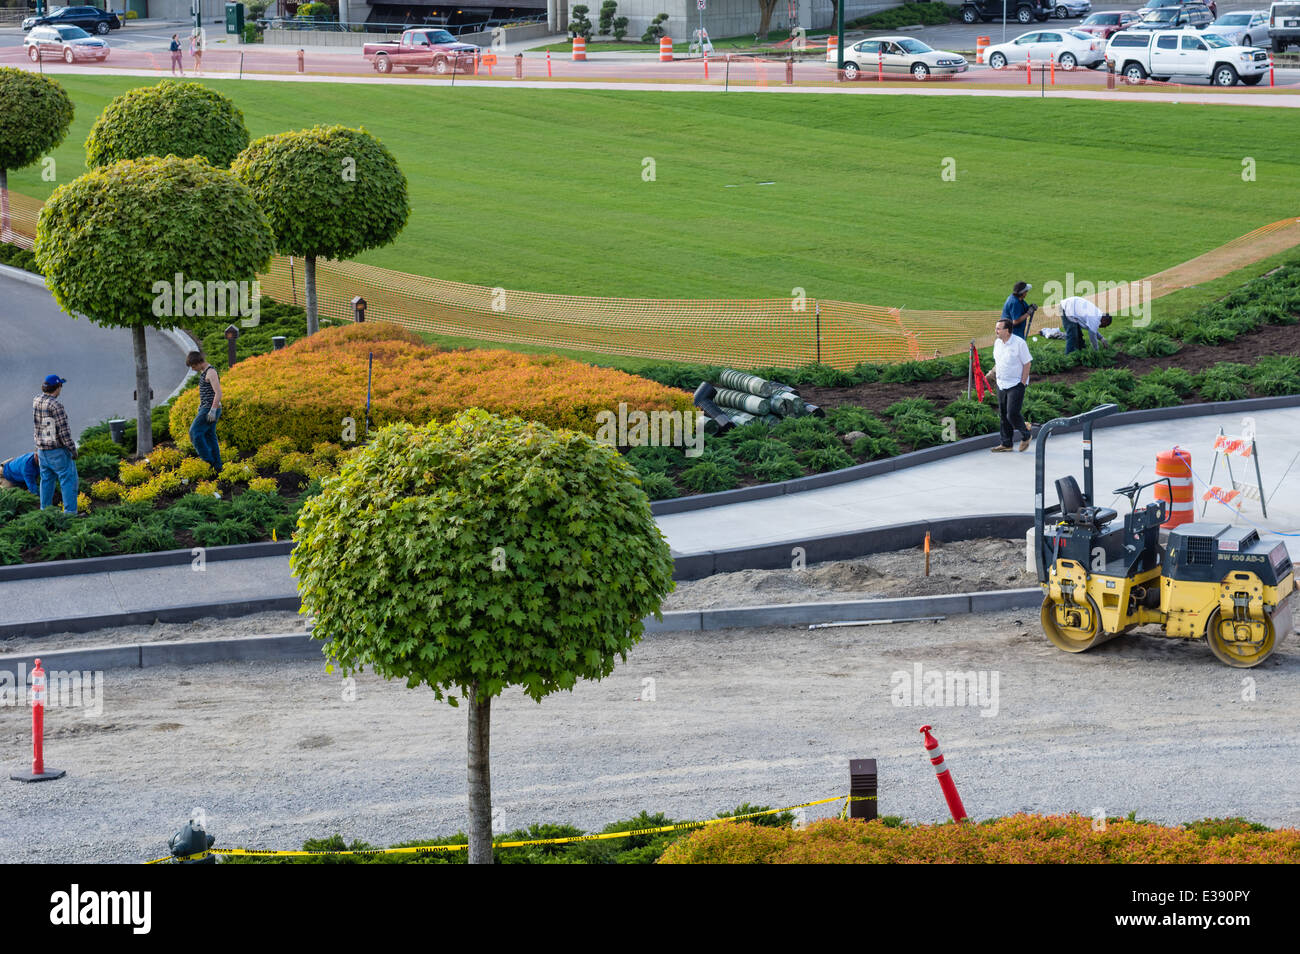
329,191
169,119
106,240
607,11
480,554
579,25
35,113
655,30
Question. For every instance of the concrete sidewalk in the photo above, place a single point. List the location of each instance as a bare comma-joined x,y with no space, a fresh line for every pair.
975,483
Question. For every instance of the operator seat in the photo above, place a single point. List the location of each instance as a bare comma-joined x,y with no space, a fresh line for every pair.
1073,509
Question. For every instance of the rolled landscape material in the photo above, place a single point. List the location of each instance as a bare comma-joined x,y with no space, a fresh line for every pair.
740,418
771,420
814,410
749,383
742,401
718,421
705,391
787,404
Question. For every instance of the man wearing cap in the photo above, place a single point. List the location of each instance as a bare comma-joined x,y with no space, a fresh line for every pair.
1016,311
22,471
1079,313
54,444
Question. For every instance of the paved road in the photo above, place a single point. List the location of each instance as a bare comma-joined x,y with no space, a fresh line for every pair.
38,338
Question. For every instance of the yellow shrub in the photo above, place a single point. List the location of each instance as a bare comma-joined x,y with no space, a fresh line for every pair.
326,452
182,439
295,463
237,472
306,391
132,475
143,493
195,468
83,503
168,482
266,485
208,488
269,454
107,490
164,458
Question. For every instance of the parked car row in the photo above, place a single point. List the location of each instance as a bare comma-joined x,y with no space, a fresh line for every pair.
1279,25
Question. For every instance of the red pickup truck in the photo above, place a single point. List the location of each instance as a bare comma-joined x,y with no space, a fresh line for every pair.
424,46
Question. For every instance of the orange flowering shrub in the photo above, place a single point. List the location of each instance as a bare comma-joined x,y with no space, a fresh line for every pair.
305,392
1016,839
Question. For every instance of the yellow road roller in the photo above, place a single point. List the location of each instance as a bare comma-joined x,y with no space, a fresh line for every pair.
1210,580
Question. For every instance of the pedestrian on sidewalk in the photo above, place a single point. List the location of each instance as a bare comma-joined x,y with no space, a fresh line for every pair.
55,446
203,432
196,50
1017,312
1079,313
22,471
177,65
1011,360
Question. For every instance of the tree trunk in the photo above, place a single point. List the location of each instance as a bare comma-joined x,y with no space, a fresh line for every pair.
765,8
309,289
480,780
4,205
143,423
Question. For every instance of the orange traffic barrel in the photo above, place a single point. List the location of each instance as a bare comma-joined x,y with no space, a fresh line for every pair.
579,48
1175,464
832,45
981,44
665,49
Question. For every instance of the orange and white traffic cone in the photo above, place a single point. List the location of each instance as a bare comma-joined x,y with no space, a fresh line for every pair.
945,777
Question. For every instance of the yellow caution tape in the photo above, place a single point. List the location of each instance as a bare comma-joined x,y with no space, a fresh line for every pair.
426,849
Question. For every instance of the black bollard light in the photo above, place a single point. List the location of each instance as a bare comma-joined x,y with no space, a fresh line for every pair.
863,789
278,342
117,430
358,309
232,333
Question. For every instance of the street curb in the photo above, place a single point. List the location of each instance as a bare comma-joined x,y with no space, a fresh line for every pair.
184,613
302,646
141,561
943,451
22,275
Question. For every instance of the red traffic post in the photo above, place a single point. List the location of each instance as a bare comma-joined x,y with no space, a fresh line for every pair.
1051,63
1270,69
1029,69
39,772
880,65
706,66
548,63
945,777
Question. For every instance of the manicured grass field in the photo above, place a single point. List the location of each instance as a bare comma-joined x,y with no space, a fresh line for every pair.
544,190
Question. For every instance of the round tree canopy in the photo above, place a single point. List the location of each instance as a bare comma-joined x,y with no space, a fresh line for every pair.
114,243
169,119
484,551
35,113
329,191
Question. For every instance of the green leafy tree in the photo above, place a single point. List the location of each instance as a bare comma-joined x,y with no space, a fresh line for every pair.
138,223
329,191
607,10
579,25
765,10
476,555
169,119
655,30
620,28
35,113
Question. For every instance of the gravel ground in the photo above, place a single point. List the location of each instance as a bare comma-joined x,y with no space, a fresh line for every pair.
966,567
256,624
275,754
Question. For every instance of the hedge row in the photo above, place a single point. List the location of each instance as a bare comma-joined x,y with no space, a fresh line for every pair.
306,391
1018,839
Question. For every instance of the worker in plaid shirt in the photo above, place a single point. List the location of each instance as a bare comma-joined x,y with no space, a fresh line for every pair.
58,452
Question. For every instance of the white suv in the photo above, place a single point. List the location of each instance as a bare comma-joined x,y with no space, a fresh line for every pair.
1184,54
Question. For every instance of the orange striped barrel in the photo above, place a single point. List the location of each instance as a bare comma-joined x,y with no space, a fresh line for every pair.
665,49
981,43
1177,466
832,49
579,48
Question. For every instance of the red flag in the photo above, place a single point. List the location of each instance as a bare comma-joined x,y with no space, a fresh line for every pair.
980,385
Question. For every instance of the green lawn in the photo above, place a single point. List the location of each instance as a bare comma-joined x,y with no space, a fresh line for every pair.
543,190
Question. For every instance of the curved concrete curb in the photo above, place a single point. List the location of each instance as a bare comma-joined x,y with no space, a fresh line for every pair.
944,451
140,561
22,275
302,646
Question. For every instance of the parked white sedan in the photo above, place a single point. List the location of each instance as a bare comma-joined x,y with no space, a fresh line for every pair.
1242,27
1070,48
897,54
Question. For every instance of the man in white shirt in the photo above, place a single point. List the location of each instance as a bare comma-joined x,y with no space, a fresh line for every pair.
1011,360
1079,313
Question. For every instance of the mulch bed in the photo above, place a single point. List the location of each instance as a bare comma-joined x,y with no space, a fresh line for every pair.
1246,349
